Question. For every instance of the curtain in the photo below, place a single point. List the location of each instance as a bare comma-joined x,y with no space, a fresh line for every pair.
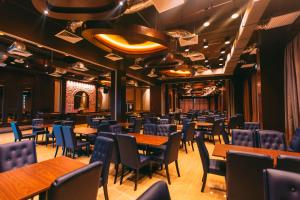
254,98
229,98
292,86
246,97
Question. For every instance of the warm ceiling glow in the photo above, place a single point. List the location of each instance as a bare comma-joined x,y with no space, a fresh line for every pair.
120,43
181,72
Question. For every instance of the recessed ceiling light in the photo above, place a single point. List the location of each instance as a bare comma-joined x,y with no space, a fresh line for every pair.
221,59
205,46
235,15
206,24
27,66
46,12
206,61
220,64
121,3
223,51
187,50
46,65
227,40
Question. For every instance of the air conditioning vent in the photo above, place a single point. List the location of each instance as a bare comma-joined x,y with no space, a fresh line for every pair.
164,5
279,21
68,36
19,49
187,41
113,57
136,67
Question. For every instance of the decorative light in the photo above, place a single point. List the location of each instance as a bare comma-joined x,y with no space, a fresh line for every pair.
221,58
1,33
206,61
205,44
46,12
223,51
27,65
121,3
227,40
221,64
206,24
183,72
235,15
187,50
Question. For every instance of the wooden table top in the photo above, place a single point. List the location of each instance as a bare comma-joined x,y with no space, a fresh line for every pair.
85,131
153,140
43,126
28,181
221,150
202,124
125,124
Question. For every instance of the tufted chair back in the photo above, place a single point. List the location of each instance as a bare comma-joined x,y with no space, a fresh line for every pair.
243,137
158,190
173,144
163,130
79,184
295,142
164,121
128,150
137,125
203,152
57,131
288,163
68,123
37,122
17,132
116,128
150,129
281,185
270,139
253,126
188,131
115,152
103,152
17,154
69,137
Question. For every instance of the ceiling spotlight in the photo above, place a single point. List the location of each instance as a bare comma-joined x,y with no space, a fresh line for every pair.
221,58
46,12
46,65
227,40
27,66
205,44
235,15
40,46
221,64
223,51
121,3
206,61
206,24
187,50
1,33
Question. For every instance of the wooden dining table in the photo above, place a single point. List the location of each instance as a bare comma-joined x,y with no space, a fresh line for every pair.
221,150
126,125
198,124
153,140
34,179
85,131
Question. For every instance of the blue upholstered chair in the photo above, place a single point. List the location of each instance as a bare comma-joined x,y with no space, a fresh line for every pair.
79,184
270,139
188,132
211,166
18,133
288,163
279,185
137,126
164,121
103,152
150,129
71,143
158,191
243,138
17,154
130,156
165,129
57,131
253,126
295,142
116,128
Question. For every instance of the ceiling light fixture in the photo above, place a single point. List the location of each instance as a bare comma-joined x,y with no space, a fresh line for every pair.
1,33
227,40
121,3
46,12
235,15
223,51
221,64
206,61
187,50
221,59
206,24
27,65
205,44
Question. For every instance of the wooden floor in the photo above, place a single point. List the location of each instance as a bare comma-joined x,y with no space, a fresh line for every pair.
185,187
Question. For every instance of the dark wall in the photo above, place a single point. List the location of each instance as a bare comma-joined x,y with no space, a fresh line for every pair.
155,99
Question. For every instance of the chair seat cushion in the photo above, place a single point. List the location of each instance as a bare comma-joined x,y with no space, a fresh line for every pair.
158,157
82,143
144,159
217,167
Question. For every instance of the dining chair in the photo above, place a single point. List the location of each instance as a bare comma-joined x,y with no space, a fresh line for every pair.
169,154
253,126
232,124
239,120
270,139
71,142
288,163
103,152
80,184
209,166
103,127
17,154
150,129
165,129
188,133
217,128
157,191
164,121
131,158
37,129
59,139
242,137
18,133
115,152
295,142
116,128
68,123
244,175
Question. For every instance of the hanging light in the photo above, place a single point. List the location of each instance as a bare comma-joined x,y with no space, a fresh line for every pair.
227,40
205,44
235,15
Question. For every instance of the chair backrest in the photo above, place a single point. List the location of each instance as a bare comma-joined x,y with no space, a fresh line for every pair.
163,129
243,137
281,185
288,163
203,152
79,184
253,126
59,138
128,150
225,136
188,131
150,129
137,125
158,191
115,152
172,149
16,130
164,121
295,142
244,175
186,120
232,124
103,152
270,139
154,120
240,120
17,154
218,127
116,128
69,137
37,122
103,127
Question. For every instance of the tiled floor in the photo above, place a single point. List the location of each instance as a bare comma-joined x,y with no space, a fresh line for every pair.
186,187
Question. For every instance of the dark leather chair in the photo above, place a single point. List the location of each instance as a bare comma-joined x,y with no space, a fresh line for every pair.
217,129
103,127
295,142
115,153
232,124
37,129
239,120
103,152
130,156
18,133
270,139
281,185
157,191
137,126
79,184
211,166
57,131
288,163
17,154
169,154
253,126
71,142
244,175
164,121
243,138
188,132
150,129
165,129
116,128
186,120
110,122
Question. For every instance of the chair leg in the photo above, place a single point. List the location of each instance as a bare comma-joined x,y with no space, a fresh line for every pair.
219,139
193,145
116,172
105,192
150,170
122,174
203,182
168,175
63,151
56,152
185,147
73,156
177,168
136,179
